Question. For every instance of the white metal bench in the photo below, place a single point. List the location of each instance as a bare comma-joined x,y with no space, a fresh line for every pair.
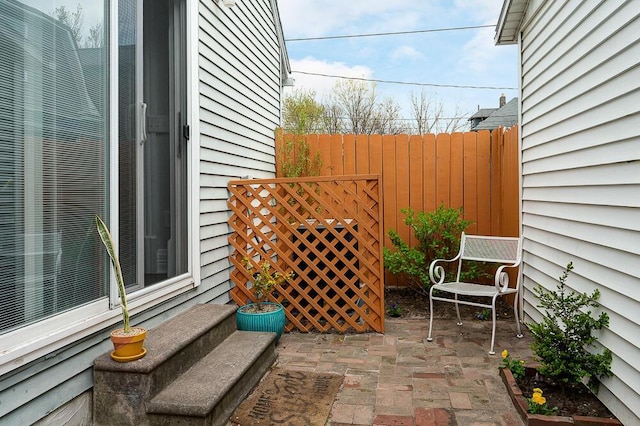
503,250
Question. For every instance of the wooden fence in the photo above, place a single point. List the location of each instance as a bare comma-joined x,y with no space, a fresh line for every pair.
328,231
477,171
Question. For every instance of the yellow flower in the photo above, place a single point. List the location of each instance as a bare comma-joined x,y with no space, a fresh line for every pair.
538,399
505,354
537,390
522,361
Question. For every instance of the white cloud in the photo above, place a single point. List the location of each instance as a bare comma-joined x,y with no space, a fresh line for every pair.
406,52
479,11
323,86
481,52
311,18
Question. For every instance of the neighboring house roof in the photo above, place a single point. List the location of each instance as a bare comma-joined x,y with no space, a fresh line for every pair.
505,116
510,21
483,113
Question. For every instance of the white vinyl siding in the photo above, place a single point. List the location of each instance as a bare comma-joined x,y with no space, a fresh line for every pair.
240,71
581,169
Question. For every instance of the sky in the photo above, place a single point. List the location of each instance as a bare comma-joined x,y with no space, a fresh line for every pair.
460,58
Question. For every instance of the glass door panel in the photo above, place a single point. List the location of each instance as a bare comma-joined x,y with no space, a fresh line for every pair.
152,152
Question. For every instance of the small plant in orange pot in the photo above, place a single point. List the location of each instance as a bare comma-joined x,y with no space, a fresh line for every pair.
127,341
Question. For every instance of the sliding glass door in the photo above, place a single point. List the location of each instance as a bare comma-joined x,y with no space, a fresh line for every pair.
152,161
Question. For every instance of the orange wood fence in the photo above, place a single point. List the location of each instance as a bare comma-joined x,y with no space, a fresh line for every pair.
477,171
328,231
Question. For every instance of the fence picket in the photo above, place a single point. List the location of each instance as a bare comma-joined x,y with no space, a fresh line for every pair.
475,171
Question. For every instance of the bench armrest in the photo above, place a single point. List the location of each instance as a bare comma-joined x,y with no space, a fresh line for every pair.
502,278
436,272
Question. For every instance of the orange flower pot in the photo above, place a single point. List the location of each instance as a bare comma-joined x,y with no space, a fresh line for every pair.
128,346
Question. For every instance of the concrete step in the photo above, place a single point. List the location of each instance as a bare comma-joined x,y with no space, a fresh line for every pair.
121,390
213,388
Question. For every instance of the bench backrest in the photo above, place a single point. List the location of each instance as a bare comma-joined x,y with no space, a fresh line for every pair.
490,249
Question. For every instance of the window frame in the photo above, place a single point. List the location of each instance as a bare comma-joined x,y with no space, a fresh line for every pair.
41,340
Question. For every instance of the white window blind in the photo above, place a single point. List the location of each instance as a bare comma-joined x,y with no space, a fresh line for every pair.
53,157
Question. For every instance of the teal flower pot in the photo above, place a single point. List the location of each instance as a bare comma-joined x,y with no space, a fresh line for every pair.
269,321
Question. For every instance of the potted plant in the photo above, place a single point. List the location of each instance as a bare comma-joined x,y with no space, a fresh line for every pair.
127,341
263,315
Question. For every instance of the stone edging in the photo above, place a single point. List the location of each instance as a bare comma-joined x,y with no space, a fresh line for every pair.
522,407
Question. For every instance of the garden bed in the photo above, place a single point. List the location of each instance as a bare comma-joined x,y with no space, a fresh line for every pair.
580,407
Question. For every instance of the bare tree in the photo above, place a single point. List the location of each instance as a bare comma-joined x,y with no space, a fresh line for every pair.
96,36
430,117
363,112
333,122
386,118
74,20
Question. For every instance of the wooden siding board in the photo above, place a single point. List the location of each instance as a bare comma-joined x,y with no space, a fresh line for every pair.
612,195
584,75
606,100
604,174
559,250
620,131
625,218
254,125
622,241
552,127
241,45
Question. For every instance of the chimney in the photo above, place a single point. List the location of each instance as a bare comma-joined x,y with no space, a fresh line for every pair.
503,100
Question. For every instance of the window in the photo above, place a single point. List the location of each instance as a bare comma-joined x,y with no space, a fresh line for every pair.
56,148
52,159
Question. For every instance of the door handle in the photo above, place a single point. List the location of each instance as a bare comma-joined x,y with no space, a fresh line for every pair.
143,123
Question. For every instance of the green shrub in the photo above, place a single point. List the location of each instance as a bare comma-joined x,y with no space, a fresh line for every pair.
438,237
561,341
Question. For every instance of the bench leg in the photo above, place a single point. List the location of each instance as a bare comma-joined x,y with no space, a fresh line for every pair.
493,328
515,314
429,339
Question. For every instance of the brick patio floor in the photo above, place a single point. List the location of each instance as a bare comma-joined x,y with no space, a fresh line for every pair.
398,378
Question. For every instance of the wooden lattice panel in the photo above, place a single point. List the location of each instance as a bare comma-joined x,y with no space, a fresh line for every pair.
328,231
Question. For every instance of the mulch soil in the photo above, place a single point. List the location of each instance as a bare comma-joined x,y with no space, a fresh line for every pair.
576,400
415,305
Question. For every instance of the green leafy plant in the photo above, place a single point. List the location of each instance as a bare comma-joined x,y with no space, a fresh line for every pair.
265,281
105,236
516,366
438,237
295,159
563,340
538,404
484,314
394,310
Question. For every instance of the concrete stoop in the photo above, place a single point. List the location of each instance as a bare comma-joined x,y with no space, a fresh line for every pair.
197,370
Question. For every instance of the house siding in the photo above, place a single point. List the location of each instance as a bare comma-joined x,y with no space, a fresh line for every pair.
238,71
581,169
